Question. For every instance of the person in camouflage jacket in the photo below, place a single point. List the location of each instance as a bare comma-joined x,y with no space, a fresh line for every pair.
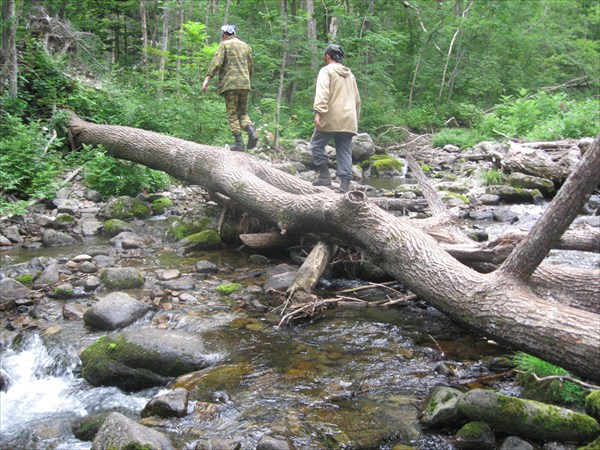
233,64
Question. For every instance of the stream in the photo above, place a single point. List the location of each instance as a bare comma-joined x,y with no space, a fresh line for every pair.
354,378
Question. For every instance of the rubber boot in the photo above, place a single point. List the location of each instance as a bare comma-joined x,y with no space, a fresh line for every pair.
239,144
344,185
324,177
252,137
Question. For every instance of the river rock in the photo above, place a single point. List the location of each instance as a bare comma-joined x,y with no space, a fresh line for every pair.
141,358
171,404
126,208
521,180
49,276
12,233
363,147
116,310
53,238
281,281
515,443
122,278
180,284
120,432
441,407
592,404
528,418
206,267
475,436
11,291
4,241
511,194
268,442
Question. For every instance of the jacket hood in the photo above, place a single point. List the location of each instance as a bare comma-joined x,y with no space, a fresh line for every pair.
342,70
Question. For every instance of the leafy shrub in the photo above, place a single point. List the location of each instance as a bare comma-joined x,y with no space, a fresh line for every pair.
422,119
493,177
542,116
114,177
26,169
459,137
555,391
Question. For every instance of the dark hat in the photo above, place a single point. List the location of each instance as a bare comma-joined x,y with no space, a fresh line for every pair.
334,50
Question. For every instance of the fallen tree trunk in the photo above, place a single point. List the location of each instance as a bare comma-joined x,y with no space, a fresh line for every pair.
499,305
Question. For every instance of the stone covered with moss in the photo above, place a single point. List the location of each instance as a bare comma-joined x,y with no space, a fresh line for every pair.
528,418
122,278
112,227
160,205
141,358
592,404
126,208
441,407
384,163
205,240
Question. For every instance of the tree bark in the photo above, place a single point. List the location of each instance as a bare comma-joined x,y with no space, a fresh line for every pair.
9,70
497,305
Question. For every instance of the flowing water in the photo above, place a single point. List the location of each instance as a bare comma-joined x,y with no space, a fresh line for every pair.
354,376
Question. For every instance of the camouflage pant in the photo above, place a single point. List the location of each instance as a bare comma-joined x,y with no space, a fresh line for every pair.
237,110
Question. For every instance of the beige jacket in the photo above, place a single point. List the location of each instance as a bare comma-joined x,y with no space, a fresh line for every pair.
337,99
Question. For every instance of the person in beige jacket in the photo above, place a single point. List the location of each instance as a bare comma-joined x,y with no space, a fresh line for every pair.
337,110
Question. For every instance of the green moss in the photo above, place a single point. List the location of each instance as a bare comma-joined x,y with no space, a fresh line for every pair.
425,167
123,280
112,227
383,163
66,219
592,404
26,279
595,445
229,288
473,430
160,205
450,195
181,228
205,240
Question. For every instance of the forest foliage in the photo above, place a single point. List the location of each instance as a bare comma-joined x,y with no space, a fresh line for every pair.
463,70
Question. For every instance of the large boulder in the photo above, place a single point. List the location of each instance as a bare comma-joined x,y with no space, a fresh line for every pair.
116,310
11,291
441,408
362,147
120,432
141,358
528,418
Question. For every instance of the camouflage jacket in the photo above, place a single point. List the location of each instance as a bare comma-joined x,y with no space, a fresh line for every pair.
233,63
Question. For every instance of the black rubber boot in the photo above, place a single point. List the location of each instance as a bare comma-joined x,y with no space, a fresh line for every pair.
252,137
324,177
239,144
344,185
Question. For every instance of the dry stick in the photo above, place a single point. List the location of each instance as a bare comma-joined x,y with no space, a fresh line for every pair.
565,378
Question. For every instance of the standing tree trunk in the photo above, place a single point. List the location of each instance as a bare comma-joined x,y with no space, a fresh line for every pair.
497,305
311,34
144,18
284,19
164,47
9,73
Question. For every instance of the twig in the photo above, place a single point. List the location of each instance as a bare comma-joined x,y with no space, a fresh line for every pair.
565,378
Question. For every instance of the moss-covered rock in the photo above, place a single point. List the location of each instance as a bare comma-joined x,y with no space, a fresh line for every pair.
528,418
384,163
126,208
592,404
122,278
515,195
160,205
475,435
520,180
141,358
441,408
205,240
113,227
